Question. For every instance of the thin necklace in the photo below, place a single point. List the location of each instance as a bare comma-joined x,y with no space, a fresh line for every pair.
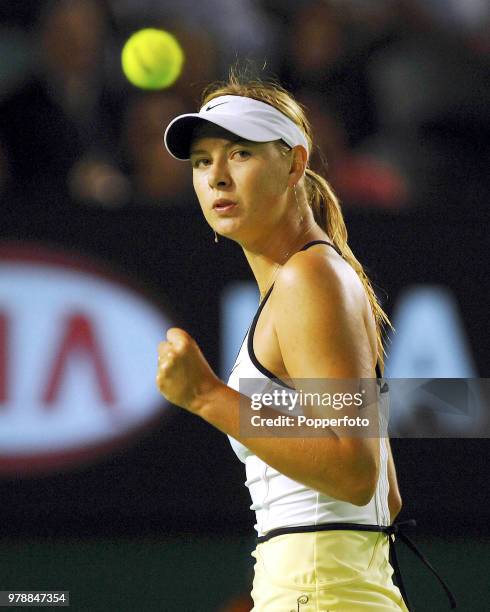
275,270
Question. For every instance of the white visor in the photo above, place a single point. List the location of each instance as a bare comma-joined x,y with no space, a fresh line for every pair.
245,117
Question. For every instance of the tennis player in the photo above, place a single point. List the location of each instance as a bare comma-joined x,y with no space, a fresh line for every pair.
321,503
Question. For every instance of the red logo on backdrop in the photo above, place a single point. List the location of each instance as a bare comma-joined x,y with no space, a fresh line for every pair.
77,359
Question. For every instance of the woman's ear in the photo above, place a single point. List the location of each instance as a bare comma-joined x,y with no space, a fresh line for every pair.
299,161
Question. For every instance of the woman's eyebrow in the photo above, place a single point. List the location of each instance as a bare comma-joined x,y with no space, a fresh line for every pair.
196,151
237,141
243,141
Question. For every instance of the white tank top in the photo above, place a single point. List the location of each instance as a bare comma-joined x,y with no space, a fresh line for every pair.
279,501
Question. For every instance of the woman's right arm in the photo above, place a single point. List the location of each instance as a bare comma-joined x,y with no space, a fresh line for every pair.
394,497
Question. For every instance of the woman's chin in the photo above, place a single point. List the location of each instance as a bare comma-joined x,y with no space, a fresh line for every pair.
232,231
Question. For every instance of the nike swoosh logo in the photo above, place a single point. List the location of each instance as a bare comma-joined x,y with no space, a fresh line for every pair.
211,107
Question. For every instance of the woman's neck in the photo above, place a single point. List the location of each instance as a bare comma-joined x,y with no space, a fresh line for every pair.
268,256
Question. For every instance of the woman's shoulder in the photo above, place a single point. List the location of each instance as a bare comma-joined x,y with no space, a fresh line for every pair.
319,314
321,271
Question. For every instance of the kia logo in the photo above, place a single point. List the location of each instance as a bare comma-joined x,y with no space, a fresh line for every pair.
77,359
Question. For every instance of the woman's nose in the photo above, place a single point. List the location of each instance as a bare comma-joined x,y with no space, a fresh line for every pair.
219,177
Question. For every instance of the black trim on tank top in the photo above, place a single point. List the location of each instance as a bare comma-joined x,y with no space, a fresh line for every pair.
313,242
250,342
250,345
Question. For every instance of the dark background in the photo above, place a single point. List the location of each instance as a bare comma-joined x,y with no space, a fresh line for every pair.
164,524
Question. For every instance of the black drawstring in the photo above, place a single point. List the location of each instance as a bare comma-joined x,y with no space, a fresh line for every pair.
392,531
396,530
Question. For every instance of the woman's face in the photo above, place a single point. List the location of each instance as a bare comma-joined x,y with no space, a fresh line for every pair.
251,177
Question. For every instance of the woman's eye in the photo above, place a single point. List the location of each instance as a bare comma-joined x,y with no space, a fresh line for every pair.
241,154
201,162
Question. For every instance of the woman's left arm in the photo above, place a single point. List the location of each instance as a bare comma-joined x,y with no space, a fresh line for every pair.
318,318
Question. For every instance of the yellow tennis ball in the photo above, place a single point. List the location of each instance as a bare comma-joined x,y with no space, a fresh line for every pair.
152,59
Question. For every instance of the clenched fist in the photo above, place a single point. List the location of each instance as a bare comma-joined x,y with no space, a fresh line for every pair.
184,376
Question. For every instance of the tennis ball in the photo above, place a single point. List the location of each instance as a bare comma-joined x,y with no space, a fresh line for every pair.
152,59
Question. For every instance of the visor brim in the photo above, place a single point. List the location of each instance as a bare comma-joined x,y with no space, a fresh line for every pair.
179,133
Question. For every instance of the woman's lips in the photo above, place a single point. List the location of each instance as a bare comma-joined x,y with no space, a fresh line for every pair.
221,206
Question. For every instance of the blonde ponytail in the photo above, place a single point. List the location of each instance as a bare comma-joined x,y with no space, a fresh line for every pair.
328,215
